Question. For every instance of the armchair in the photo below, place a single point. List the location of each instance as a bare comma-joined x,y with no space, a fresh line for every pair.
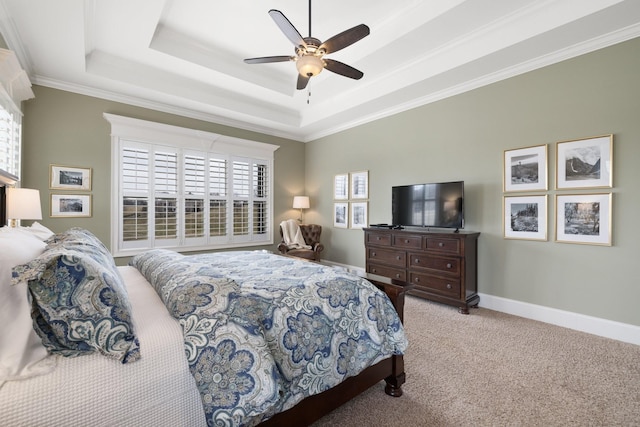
311,234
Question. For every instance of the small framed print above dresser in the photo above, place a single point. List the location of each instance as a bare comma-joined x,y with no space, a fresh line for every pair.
442,266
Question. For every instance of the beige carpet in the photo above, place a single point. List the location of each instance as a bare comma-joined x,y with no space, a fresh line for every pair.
494,369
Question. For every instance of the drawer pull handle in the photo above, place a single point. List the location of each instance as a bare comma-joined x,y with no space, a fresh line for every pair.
448,285
417,260
441,244
416,279
374,270
398,257
406,240
397,275
449,265
373,254
377,237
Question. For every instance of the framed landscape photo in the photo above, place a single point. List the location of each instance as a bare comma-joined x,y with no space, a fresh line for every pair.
583,218
525,169
585,163
70,205
360,185
359,214
340,215
70,178
341,186
525,217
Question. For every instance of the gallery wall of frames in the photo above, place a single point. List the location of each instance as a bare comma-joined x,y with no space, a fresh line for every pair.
350,200
581,200
71,196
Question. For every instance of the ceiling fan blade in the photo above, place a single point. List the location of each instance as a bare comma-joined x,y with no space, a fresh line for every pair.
267,59
287,28
302,81
345,38
342,69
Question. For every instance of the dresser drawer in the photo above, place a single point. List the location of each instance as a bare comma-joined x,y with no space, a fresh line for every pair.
387,257
379,239
393,273
439,285
443,264
407,242
442,244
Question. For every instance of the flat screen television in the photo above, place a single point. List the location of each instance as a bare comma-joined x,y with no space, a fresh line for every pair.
438,205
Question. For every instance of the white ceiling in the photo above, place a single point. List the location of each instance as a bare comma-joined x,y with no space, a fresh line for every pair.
185,56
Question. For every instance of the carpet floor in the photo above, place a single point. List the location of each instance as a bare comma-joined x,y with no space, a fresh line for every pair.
495,369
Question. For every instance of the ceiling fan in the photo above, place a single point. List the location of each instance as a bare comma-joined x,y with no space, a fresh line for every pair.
309,51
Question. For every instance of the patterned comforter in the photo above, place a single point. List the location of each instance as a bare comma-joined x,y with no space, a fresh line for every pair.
263,331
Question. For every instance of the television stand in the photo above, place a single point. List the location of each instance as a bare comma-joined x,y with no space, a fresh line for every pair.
442,266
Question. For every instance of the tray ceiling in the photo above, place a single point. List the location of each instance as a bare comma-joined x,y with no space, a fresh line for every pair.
185,56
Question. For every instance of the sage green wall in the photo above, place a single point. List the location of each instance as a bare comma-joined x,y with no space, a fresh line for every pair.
64,128
464,138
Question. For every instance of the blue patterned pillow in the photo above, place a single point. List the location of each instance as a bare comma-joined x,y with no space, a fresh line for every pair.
80,304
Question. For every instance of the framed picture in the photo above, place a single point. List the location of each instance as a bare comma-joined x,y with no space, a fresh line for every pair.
525,169
583,218
525,217
70,205
70,178
359,215
340,215
585,163
360,185
341,186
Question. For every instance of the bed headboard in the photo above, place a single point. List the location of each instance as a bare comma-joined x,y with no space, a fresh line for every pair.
5,179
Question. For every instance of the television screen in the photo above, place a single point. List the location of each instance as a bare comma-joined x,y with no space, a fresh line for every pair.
438,205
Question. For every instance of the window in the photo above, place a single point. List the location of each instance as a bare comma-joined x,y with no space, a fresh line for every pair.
187,190
10,127
15,87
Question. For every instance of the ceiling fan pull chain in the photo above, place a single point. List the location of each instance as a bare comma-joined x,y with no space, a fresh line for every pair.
309,92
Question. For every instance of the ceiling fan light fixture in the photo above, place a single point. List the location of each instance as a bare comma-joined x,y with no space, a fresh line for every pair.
309,65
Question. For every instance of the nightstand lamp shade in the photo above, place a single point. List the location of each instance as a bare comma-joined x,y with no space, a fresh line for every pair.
23,203
301,202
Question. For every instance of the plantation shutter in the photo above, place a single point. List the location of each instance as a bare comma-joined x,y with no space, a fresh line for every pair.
135,199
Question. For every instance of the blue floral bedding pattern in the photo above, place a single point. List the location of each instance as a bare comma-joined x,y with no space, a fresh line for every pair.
263,331
79,302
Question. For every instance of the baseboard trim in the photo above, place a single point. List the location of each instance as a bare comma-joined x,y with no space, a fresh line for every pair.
580,322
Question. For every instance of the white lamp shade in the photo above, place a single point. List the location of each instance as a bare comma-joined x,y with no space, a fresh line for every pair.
309,65
23,203
301,202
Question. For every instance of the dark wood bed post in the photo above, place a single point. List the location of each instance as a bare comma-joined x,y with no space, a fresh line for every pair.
391,370
5,179
396,291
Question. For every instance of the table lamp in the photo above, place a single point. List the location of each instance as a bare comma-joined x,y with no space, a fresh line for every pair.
23,203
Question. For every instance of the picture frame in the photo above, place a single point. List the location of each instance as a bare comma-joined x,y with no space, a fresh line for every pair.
340,215
525,169
585,163
69,178
525,217
359,214
584,219
71,205
360,185
341,186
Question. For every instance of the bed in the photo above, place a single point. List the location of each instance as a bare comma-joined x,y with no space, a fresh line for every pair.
155,364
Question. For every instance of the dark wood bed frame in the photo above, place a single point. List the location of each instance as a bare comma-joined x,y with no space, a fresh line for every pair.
390,370
5,179
313,408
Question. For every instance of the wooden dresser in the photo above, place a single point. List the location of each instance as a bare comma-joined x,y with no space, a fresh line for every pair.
442,266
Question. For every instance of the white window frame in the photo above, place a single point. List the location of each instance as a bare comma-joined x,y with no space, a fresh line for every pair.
135,133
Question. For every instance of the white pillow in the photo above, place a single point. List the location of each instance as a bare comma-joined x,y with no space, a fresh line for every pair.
22,353
39,230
